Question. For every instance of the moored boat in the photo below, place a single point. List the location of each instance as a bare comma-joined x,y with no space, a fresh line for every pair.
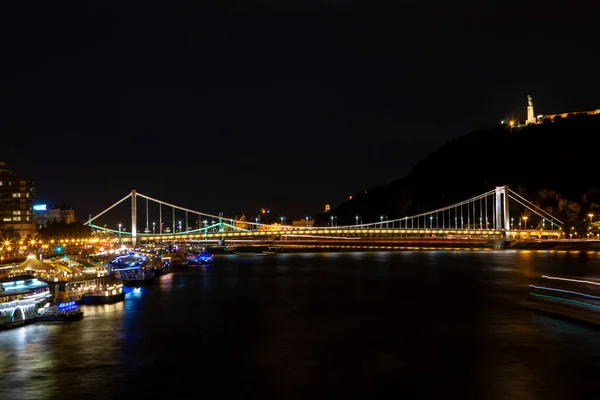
202,258
20,298
139,278
64,312
161,266
106,289
109,296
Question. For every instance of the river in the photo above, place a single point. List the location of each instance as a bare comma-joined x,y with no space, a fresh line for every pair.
412,324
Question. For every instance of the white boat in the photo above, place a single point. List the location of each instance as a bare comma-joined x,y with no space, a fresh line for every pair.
20,298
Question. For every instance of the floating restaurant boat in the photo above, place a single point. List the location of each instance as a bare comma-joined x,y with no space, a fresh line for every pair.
129,261
107,294
175,257
202,258
137,278
63,312
20,298
107,289
573,298
161,266
132,269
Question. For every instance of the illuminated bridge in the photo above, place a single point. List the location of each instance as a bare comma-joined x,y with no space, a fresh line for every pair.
485,216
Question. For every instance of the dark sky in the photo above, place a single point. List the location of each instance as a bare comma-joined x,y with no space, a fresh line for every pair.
227,106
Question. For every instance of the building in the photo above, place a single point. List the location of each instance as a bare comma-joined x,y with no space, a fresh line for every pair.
241,222
44,215
17,194
565,115
303,222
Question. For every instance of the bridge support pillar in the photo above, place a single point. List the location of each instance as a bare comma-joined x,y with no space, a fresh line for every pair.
502,217
133,218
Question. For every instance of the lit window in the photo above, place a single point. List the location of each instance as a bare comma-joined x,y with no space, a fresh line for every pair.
7,219
16,218
16,212
16,194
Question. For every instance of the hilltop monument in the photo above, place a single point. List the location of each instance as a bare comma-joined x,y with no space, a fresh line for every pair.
530,115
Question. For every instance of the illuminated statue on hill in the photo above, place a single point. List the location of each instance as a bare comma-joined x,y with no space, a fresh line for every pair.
530,115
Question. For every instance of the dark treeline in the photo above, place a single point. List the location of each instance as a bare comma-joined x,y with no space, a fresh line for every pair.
62,230
54,230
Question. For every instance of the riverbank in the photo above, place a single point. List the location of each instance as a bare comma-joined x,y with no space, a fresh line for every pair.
359,245
581,245
416,244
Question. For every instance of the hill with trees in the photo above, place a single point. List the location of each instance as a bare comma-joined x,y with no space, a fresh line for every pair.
552,164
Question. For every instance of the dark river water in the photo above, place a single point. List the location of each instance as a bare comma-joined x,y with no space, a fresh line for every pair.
415,324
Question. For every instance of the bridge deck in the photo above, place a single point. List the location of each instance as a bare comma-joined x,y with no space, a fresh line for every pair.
351,234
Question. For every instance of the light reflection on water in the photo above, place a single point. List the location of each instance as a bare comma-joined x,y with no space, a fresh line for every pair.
166,282
373,325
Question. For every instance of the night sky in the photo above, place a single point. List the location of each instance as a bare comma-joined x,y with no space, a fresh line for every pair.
223,106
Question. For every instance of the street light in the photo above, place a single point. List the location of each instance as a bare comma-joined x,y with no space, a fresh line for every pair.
357,220
179,226
331,221
153,227
525,222
591,216
307,221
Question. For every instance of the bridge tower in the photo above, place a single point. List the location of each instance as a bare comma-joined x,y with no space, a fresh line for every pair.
502,218
133,218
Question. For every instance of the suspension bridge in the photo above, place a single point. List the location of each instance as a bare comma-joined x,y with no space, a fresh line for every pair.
485,216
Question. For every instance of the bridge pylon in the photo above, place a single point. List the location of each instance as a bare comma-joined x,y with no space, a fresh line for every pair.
133,218
502,218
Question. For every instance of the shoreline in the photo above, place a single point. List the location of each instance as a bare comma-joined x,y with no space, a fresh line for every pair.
562,245
427,245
